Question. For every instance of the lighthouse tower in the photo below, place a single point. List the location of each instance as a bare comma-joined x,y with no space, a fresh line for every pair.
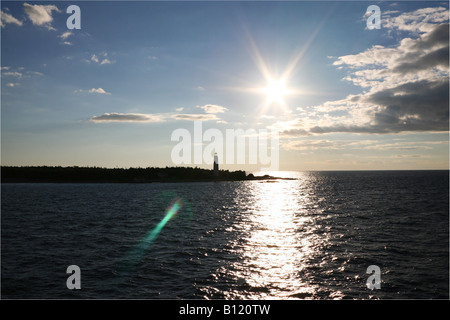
216,165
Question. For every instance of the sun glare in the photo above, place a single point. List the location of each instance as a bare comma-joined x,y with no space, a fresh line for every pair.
275,91
277,88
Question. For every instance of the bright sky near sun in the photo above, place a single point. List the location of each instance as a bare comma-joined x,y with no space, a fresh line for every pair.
342,96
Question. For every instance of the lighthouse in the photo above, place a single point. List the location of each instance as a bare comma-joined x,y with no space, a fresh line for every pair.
216,165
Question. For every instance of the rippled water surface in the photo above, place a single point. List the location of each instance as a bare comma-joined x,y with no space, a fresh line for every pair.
308,238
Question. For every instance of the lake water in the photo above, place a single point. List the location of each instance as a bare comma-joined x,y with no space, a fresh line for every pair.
309,238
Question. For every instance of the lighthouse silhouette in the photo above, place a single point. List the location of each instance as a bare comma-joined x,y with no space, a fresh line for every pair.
216,165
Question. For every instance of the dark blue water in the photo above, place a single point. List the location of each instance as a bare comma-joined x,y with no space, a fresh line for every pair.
309,238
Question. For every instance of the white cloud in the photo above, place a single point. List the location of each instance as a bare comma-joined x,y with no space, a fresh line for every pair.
289,128
316,144
41,15
195,117
399,146
377,55
212,108
419,21
36,73
65,35
7,18
99,90
67,43
95,58
303,145
12,76
13,73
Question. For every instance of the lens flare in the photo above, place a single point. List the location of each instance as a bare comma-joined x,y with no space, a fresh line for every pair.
153,234
139,250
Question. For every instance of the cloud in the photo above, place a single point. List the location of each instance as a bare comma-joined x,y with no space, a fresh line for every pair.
127,117
7,18
13,73
96,59
156,117
99,90
406,85
40,15
402,146
436,58
423,57
211,108
413,106
418,21
12,76
316,144
36,73
195,117
295,132
290,128
159,117
65,35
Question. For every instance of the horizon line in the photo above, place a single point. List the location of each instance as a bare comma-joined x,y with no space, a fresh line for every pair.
168,167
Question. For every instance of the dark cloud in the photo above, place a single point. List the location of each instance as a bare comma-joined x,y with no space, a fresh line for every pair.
417,106
421,105
295,132
414,92
126,117
439,36
158,117
433,59
436,42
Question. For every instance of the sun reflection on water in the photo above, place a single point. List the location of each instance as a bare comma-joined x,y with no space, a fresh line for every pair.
278,240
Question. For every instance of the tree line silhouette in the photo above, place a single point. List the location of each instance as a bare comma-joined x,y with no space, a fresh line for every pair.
99,174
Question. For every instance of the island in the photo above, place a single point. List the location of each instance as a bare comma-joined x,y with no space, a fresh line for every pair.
58,174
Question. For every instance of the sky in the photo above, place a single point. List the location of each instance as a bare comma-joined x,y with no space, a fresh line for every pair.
338,94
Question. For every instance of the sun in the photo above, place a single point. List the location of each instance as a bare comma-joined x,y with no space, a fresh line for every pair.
275,91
